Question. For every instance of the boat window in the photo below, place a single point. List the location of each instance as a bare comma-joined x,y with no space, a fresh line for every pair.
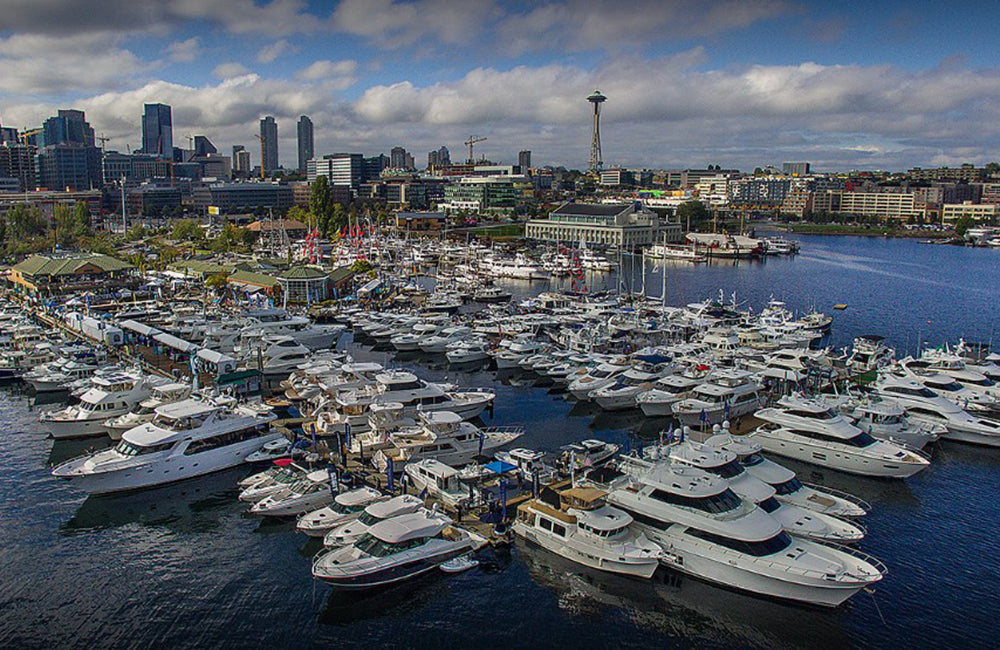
751,460
861,440
729,470
126,448
715,504
776,544
376,547
790,486
769,505
368,519
408,385
222,440
559,529
828,414
545,524
916,392
341,509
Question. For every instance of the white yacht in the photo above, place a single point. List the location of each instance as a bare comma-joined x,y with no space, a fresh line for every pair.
277,322
349,532
660,399
263,484
444,436
441,481
528,463
601,376
581,527
346,507
586,453
707,531
814,432
888,421
277,355
395,550
314,490
869,353
439,343
469,351
725,395
108,396
56,376
159,395
924,406
788,488
184,440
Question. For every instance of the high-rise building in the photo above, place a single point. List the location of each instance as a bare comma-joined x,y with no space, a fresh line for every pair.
241,161
408,161
69,165
8,134
432,159
343,169
444,157
524,161
397,158
68,127
305,141
269,143
203,146
158,131
18,161
795,168
371,168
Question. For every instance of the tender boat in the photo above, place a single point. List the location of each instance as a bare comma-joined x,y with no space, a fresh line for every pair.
351,531
347,506
314,490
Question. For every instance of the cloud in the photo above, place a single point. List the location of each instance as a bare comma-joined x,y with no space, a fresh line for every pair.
59,17
397,24
229,69
34,64
184,51
325,69
269,53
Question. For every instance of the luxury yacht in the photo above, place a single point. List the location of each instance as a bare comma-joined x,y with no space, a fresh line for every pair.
57,375
788,488
922,405
108,396
869,353
579,525
184,440
314,490
814,432
439,344
349,532
395,550
888,421
443,482
725,395
602,376
660,399
707,531
159,395
347,506
469,351
263,484
444,436
277,355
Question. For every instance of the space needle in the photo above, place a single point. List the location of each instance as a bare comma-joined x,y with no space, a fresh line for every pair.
595,143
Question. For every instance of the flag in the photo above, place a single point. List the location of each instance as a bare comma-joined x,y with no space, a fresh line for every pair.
703,416
347,434
389,475
423,493
727,409
482,439
314,435
670,433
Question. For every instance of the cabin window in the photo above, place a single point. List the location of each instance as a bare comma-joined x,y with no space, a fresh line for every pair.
715,504
559,529
769,505
544,523
729,470
790,486
126,448
776,544
222,440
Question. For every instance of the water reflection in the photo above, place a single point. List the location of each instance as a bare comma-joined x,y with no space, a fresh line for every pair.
63,450
343,608
194,505
682,607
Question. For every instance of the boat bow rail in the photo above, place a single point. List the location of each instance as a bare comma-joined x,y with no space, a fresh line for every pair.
840,494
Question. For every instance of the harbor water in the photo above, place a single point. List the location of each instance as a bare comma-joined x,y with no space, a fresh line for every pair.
184,566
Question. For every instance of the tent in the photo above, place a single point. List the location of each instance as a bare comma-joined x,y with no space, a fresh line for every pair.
499,467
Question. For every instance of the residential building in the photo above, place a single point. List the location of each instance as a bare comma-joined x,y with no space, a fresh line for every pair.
17,161
269,143
398,158
241,161
305,142
966,173
524,161
346,169
951,212
8,135
371,168
619,225
795,168
69,166
758,193
881,205
991,193
157,131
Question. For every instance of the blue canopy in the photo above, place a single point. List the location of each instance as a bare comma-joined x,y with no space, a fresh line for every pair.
499,467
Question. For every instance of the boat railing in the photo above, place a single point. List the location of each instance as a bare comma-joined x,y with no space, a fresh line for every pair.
840,494
508,430
858,554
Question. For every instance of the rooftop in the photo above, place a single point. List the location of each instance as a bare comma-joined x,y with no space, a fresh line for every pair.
69,264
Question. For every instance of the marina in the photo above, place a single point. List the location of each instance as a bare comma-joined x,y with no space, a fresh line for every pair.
419,395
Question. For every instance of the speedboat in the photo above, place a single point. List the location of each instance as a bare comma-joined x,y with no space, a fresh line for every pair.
349,532
184,440
314,490
579,525
347,506
395,550
108,396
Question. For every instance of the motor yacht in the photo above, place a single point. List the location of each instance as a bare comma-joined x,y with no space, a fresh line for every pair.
184,440
601,376
724,395
922,405
349,532
439,344
579,525
347,506
469,351
869,352
788,488
314,490
707,531
109,396
586,454
813,431
56,376
888,421
395,550
255,488
664,393
159,395
277,355
528,463
445,483
444,436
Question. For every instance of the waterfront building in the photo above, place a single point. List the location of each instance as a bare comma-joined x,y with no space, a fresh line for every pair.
407,221
305,141
760,193
951,212
157,131
254,282
305,284
619,225
69,273
269,143
46,201
482,194
881,205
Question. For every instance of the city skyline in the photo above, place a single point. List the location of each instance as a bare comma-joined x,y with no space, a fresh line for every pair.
890,86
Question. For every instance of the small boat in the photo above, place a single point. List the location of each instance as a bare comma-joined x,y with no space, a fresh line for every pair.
459,564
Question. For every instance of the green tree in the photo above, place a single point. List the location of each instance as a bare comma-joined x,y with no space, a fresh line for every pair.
963,224
187,230
321,203
218,283
81,216
693,213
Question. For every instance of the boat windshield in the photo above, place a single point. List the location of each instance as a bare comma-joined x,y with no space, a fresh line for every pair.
368,519
376,547
776,544
126,448
751,460
828,414
341,509
769,505
715,504
729,470
790,486
861,440
949,387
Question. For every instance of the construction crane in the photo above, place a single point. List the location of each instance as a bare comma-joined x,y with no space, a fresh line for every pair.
473,139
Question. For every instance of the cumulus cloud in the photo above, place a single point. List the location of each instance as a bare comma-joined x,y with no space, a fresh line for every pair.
85,62
395,24
269,53
326,68
184,51
229,69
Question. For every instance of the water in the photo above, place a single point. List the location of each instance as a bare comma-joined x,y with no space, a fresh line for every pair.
183,566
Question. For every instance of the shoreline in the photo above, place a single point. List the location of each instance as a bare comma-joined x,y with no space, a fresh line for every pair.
851,231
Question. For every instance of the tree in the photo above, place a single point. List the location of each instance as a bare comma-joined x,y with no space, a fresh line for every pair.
81,215
321,202
187,230
691,213
962,225
218,283
992,168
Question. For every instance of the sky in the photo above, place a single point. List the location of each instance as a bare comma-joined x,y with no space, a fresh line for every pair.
843,85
